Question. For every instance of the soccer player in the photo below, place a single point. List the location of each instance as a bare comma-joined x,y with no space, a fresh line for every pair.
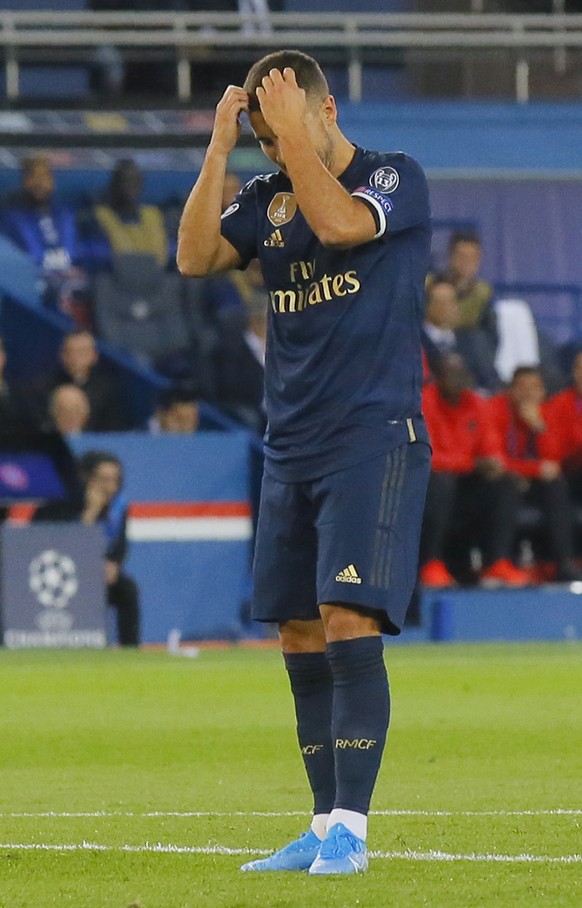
343,237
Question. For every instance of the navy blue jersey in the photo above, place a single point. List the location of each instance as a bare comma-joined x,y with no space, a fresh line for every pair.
343,369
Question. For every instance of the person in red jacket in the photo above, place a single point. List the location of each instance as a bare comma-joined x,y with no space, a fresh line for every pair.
531,447
564,412
469,479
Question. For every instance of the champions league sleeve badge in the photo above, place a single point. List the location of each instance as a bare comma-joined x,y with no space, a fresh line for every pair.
385,180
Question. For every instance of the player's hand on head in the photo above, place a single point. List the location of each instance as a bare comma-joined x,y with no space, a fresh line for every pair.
226,128
282,102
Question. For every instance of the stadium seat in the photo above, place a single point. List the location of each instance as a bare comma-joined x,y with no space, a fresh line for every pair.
139,307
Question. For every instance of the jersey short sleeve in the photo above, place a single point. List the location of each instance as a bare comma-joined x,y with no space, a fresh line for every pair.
239,222
396,191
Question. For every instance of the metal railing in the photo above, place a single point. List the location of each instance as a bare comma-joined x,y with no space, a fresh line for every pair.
349,36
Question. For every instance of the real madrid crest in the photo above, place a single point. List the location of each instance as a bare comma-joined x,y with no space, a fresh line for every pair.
281,208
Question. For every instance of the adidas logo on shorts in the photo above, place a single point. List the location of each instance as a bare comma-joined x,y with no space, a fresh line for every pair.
348,575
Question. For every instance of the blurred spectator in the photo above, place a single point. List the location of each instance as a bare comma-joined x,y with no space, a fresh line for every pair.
80,366
126,224
441,318
203,298
102,503
531,450
177,411
107,69
209,74
565,419
565,415
442,334
47,231
474,295
69,410
254,16
240,355
13,412
234,291
469,484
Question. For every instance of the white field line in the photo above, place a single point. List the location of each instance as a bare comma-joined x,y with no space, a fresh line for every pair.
556,812
409,855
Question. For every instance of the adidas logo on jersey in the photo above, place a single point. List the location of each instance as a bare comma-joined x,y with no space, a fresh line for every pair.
275,240
348,575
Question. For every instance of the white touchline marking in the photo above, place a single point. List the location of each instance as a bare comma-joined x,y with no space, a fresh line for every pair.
498,858
154,813
139,849
479,813
409,855
573,812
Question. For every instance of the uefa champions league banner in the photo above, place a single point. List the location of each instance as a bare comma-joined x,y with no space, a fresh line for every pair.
52,586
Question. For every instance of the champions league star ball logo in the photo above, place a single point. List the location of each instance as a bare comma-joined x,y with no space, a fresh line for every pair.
52,577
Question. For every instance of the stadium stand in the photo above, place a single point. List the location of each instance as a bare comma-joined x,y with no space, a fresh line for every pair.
375,49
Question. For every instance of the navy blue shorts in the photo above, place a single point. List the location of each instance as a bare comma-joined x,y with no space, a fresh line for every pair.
350,538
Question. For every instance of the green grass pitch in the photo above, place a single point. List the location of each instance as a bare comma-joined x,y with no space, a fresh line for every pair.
144,779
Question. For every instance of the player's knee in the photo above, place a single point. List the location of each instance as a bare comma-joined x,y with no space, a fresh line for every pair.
342,623
302,636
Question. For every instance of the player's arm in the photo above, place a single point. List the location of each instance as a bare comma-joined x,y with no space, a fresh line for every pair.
201,247
336,218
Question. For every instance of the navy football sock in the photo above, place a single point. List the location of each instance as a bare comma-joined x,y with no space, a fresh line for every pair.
361,713
312,687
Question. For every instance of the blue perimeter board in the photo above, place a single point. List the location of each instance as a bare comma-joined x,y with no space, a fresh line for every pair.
550,612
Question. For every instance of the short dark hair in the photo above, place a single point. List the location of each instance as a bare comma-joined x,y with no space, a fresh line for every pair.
464,236
124,168
27,165
440,278
450,360
307,70
184,394
90,460
77,332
